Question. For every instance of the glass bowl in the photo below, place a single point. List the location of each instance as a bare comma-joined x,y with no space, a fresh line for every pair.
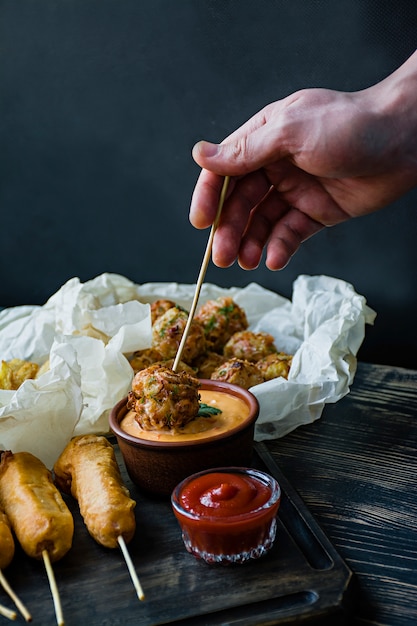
227,514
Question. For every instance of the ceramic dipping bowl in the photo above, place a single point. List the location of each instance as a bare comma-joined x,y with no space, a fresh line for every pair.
157,466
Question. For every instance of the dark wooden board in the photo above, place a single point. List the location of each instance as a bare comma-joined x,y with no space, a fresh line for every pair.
303,577
357,475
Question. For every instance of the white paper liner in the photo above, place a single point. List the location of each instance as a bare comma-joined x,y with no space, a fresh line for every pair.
86,329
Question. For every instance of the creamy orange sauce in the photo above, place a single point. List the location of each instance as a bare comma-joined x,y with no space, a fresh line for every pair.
234,412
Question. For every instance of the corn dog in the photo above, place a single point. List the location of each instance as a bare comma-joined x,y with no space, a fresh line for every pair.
6,541
37,513
87,468
7,548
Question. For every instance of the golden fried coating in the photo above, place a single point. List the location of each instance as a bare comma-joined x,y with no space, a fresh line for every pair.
14,372
88,470
167,332
207,363
238,372
182,367
39,517
6,541
275,365
249,346
163,399
159,307
141,359
220,318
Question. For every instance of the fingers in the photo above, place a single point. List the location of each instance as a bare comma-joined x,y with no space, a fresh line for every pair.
278,227
275,208
205,199
259,228
246,194
287,236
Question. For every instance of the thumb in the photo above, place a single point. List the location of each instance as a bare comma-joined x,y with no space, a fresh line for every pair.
240,155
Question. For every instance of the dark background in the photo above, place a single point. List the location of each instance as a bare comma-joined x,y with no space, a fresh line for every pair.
101,102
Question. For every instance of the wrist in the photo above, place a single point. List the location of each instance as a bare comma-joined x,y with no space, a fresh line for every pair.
394,103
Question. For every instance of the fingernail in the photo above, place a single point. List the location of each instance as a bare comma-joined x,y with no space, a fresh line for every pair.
206,149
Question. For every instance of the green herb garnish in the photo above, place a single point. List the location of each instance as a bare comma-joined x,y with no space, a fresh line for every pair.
225,310
206,410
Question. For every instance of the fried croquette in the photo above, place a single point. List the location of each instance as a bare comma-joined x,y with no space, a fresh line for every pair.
249,346
141,359
207,363
159,307
220,318
167,332
238,372
275,365
163,399
13,373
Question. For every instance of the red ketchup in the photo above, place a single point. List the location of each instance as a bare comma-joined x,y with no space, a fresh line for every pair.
227,515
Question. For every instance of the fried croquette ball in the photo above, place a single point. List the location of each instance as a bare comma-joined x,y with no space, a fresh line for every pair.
207,363
238,372
220,318
13,373
163,399
141,359
249,346
144,358
275,365
182,367
159,307
167,333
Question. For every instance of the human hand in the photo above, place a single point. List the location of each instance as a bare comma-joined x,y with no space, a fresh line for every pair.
311,160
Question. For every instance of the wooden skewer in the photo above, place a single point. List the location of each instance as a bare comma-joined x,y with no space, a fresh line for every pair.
54,589
15,599
201,275
7,612
131,568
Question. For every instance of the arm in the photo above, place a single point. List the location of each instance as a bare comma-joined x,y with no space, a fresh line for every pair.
311,160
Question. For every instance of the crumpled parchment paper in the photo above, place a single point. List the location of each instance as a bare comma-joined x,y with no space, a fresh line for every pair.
86,330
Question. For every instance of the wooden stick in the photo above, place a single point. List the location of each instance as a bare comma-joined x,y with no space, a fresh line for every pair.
201,275
7,612
13,596
54,588
131,568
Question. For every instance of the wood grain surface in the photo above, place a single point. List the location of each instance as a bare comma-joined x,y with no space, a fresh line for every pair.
356,469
